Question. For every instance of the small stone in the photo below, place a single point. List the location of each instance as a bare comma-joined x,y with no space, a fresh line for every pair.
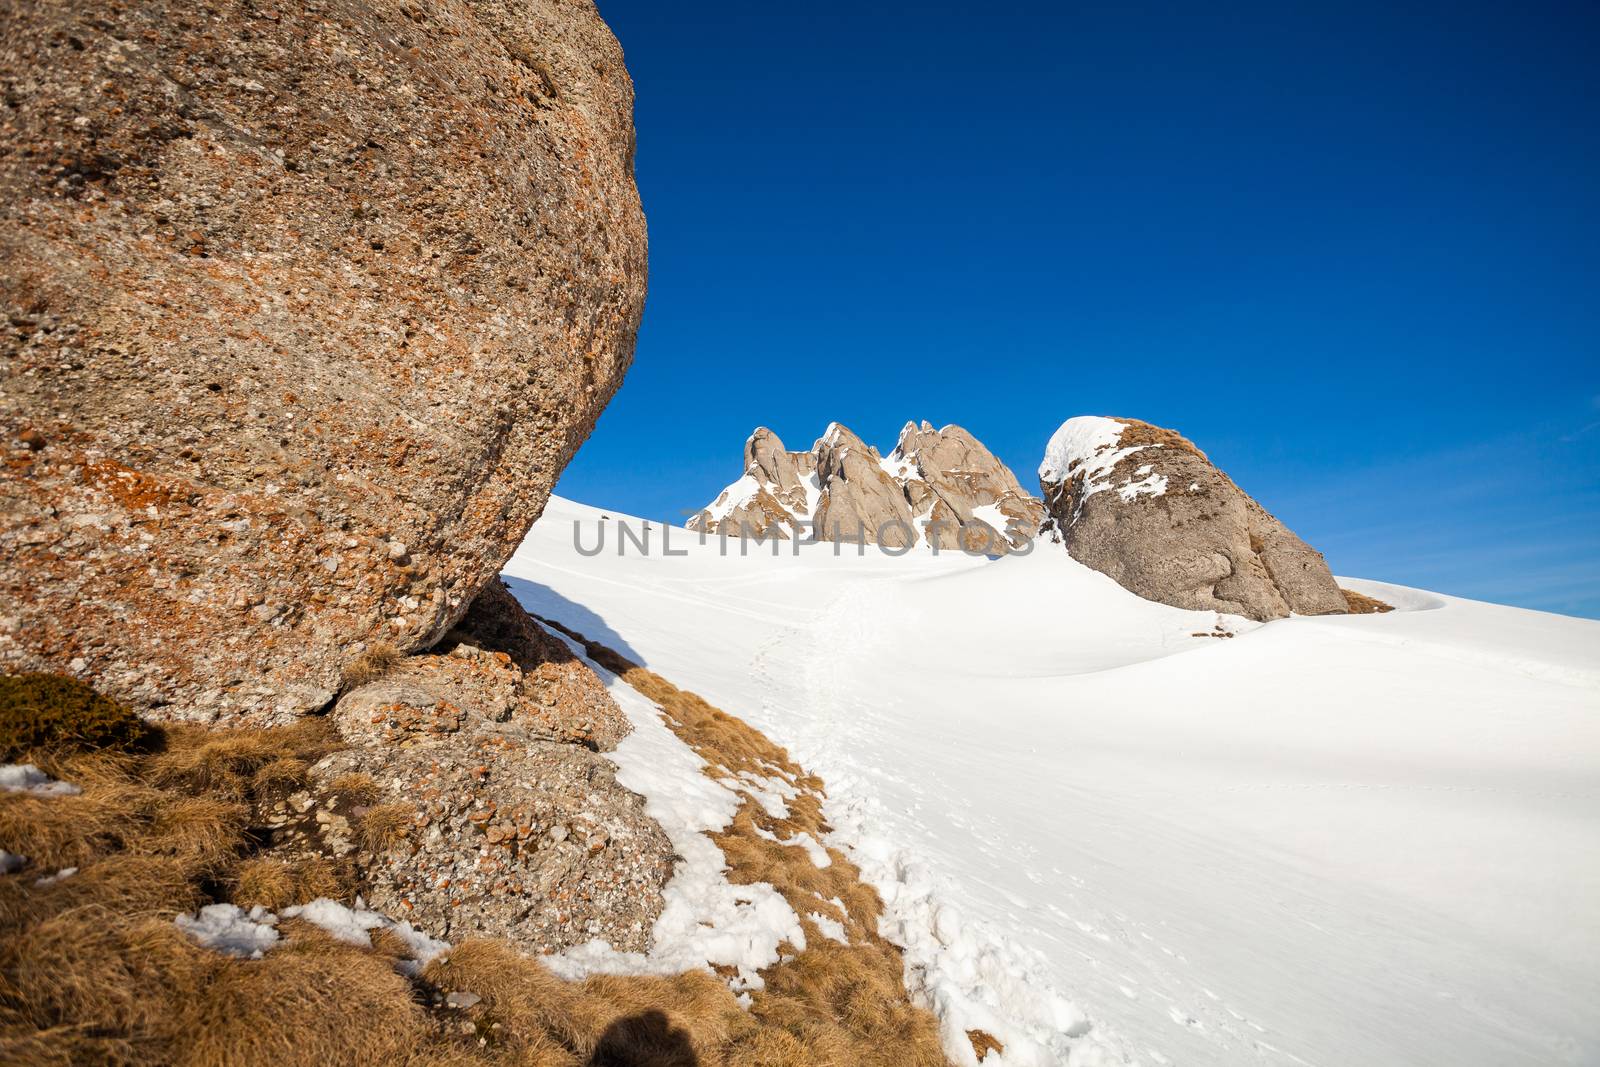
461,1000
397,550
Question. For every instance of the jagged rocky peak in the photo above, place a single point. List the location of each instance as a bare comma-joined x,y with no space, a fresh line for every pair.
938,487
1143,505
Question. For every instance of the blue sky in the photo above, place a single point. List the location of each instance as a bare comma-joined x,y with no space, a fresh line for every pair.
1353,252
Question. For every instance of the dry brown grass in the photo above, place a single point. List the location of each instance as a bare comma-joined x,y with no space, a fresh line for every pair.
1136,432
830,1003
311,1001
280,777
356,787
983,1043
202,760
92,969
369,666
386,825
559,1020
1362,604
276,883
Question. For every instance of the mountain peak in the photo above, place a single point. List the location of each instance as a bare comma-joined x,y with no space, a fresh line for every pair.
940,488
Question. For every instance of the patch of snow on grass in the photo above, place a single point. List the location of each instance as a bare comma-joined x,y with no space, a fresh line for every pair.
706,920
51,879
26,778
818,855
832,929
230,929
771,793
250,934
350,925
353,926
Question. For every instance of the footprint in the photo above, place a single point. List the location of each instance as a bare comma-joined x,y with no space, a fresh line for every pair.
1183,1018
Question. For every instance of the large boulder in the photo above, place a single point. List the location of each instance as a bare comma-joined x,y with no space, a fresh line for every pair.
936,487
1145,506
306,309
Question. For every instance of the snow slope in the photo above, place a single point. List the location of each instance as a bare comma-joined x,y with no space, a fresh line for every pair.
1364,839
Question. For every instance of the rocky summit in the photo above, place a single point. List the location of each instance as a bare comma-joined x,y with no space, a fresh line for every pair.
306,307
1145,506
940,488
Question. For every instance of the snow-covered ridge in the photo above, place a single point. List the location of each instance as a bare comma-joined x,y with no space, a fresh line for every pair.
1105,836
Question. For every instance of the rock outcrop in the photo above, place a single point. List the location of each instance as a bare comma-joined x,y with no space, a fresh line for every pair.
305,310
937,487
500,815
1146,507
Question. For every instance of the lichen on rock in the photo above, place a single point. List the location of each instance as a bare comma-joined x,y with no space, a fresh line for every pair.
305,310
500,814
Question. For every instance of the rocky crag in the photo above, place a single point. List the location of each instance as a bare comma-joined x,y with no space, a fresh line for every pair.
505,819
937,487
305,309
1146,507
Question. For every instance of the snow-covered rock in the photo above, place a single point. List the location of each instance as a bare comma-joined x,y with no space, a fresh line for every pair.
1145,506
940,488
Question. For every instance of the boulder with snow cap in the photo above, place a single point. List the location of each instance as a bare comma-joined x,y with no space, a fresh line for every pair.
1143,505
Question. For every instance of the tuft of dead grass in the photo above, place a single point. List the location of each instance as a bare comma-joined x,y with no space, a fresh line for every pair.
202,760
1136,432
356,787
983,1043
1362,604
59,712
281,777
385,826
276,883
688,1018
378,660
311,1001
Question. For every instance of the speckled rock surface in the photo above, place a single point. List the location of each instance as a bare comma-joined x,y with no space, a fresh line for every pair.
306,307
511,823
1143,505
